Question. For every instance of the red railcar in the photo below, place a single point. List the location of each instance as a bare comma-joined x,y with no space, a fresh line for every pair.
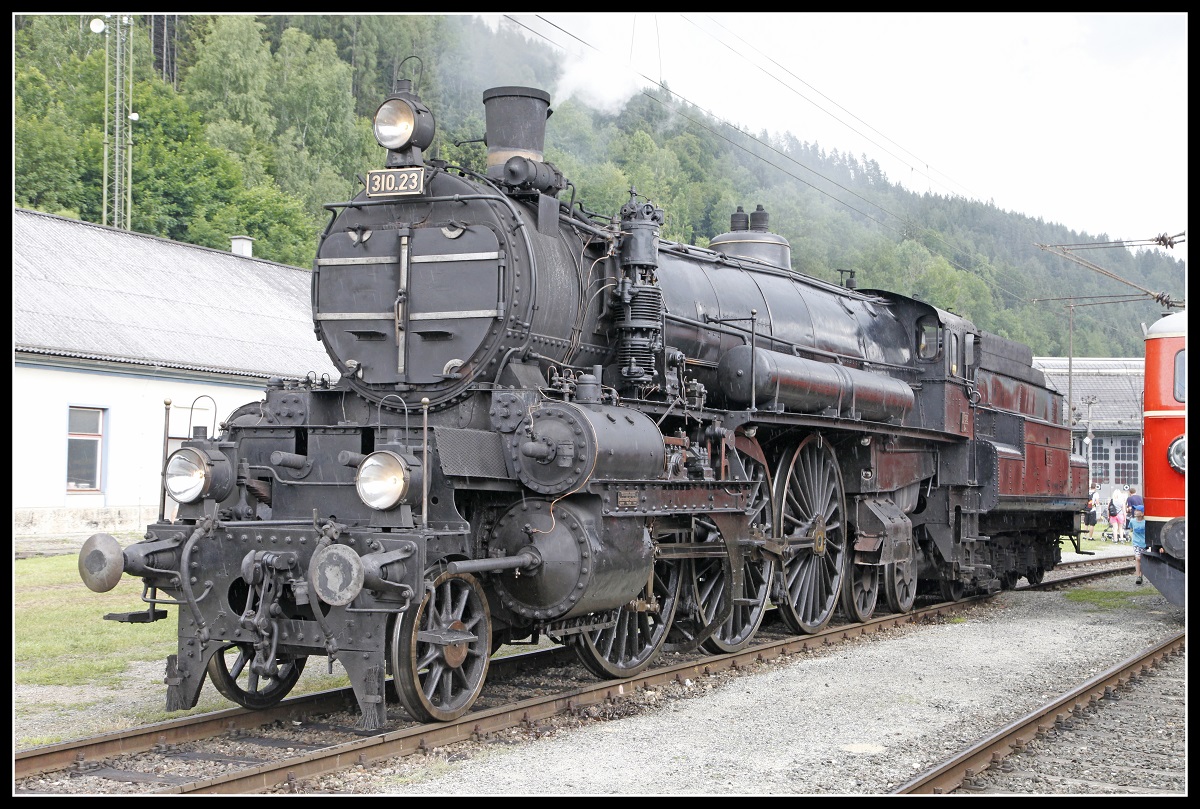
1165,431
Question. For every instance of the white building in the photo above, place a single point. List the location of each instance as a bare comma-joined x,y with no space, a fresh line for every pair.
108,325
1106,413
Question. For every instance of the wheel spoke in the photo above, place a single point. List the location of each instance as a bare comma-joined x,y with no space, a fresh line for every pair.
238,664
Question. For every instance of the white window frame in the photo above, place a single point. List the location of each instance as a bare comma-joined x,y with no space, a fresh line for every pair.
96,437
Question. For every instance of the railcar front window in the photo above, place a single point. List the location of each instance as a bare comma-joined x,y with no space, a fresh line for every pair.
85,440
1181,376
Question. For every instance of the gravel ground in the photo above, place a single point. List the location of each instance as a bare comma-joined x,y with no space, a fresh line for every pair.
862,718
859,718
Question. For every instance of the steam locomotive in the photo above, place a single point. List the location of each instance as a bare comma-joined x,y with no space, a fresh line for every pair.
555,425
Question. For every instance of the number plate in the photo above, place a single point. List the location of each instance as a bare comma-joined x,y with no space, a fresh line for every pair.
396,182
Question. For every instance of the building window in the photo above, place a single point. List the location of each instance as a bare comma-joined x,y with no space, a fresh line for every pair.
1127,462
1101,473
85,440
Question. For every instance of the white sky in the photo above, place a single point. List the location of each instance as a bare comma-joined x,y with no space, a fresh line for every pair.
1079,119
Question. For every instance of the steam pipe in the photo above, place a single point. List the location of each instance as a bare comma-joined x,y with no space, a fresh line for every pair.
523,560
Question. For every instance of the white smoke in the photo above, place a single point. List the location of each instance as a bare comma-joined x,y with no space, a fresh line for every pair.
596,81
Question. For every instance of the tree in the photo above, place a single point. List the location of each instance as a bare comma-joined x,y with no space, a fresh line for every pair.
230,76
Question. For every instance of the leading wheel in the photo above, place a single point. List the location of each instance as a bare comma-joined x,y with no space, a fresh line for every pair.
900,581
441,649
234,677
1035,575
810,508
747,615
632,643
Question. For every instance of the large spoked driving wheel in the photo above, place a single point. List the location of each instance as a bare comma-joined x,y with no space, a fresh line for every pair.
811,507
234,677
441,649
637,638
900,581
747,615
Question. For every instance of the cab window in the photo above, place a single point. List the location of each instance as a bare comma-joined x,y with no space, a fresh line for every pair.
927,338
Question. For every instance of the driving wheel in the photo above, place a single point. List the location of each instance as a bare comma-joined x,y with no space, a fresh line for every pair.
636,638
735,633
810,505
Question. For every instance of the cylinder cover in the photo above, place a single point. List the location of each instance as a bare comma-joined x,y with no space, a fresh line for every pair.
587,563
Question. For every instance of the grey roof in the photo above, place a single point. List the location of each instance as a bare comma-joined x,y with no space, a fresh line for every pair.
86,291
1113,386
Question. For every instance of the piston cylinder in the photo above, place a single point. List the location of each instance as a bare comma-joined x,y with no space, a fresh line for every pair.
587,563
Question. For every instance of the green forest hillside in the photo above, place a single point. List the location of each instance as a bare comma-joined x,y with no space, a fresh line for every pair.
248,125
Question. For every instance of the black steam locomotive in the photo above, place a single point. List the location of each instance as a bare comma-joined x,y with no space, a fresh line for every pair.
551,424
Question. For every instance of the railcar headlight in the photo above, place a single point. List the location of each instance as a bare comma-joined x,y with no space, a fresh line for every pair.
1177,454
192,474
385,480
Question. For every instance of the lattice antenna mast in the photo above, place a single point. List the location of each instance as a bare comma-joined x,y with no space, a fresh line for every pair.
118,118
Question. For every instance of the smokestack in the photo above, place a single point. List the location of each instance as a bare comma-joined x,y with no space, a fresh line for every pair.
242,246
516,125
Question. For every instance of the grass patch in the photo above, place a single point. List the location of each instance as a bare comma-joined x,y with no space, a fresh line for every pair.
60,636
1086,543
1104,599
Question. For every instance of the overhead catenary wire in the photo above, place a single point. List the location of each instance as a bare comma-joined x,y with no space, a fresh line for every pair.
904,231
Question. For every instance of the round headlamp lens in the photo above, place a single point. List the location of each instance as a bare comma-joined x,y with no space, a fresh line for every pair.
382,480
394,123
187,476
1177,454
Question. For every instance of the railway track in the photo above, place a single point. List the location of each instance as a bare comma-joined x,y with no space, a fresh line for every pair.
239,751
997,764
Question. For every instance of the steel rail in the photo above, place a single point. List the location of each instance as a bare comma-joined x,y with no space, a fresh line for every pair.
950,774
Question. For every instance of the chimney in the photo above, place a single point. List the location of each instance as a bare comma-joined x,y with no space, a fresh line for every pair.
242,246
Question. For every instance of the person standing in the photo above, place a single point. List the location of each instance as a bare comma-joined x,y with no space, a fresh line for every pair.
1132,502
1090,513
1116,513
1137,538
